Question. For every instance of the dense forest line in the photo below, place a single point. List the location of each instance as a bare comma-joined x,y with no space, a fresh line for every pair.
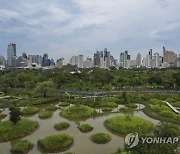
93,79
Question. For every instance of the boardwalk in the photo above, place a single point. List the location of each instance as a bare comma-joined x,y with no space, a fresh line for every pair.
173,108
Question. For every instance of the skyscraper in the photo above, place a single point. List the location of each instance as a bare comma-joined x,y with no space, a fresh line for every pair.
138,60
169,56
46,61
60,63
11,53
80,61
97,58
156,60
74,60
124,57
107,57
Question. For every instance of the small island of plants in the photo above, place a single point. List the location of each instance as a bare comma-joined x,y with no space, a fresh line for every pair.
78,111
45,114
61,126
51,107
123,125
100,138
21,147
9,130
85,128
63,104
29,110
56,143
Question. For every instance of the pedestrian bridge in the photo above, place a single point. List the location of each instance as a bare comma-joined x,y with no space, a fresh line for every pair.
172,107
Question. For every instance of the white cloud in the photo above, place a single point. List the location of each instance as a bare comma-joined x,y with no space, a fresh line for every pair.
68,27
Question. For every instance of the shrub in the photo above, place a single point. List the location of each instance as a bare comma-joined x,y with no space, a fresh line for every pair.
85,128
29,110
107,104
156,102
45,100
56,143
21,147
167,113
2,116
126,109
131,105
61,126
63,104
45,114
106,109
51,107
158,108
176,104
170,100
101,138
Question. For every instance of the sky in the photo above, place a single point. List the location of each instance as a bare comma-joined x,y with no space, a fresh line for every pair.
63,28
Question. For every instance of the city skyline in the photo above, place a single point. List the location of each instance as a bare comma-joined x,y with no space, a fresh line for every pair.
103,59
66,28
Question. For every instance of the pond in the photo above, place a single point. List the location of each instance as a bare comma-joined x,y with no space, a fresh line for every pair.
82,143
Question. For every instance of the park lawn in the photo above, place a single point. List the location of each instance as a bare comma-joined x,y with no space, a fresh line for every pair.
9,131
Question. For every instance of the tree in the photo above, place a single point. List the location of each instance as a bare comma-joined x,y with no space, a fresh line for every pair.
124,96
45,87
14,114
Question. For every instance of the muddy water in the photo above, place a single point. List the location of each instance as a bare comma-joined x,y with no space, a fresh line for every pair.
82,143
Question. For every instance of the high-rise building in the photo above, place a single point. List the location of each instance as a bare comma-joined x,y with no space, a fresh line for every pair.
39,59
156,60
97,58
138,60
107,57
80,61
123,59
60,63
88,63
11,53
169,56
74,60
46,62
